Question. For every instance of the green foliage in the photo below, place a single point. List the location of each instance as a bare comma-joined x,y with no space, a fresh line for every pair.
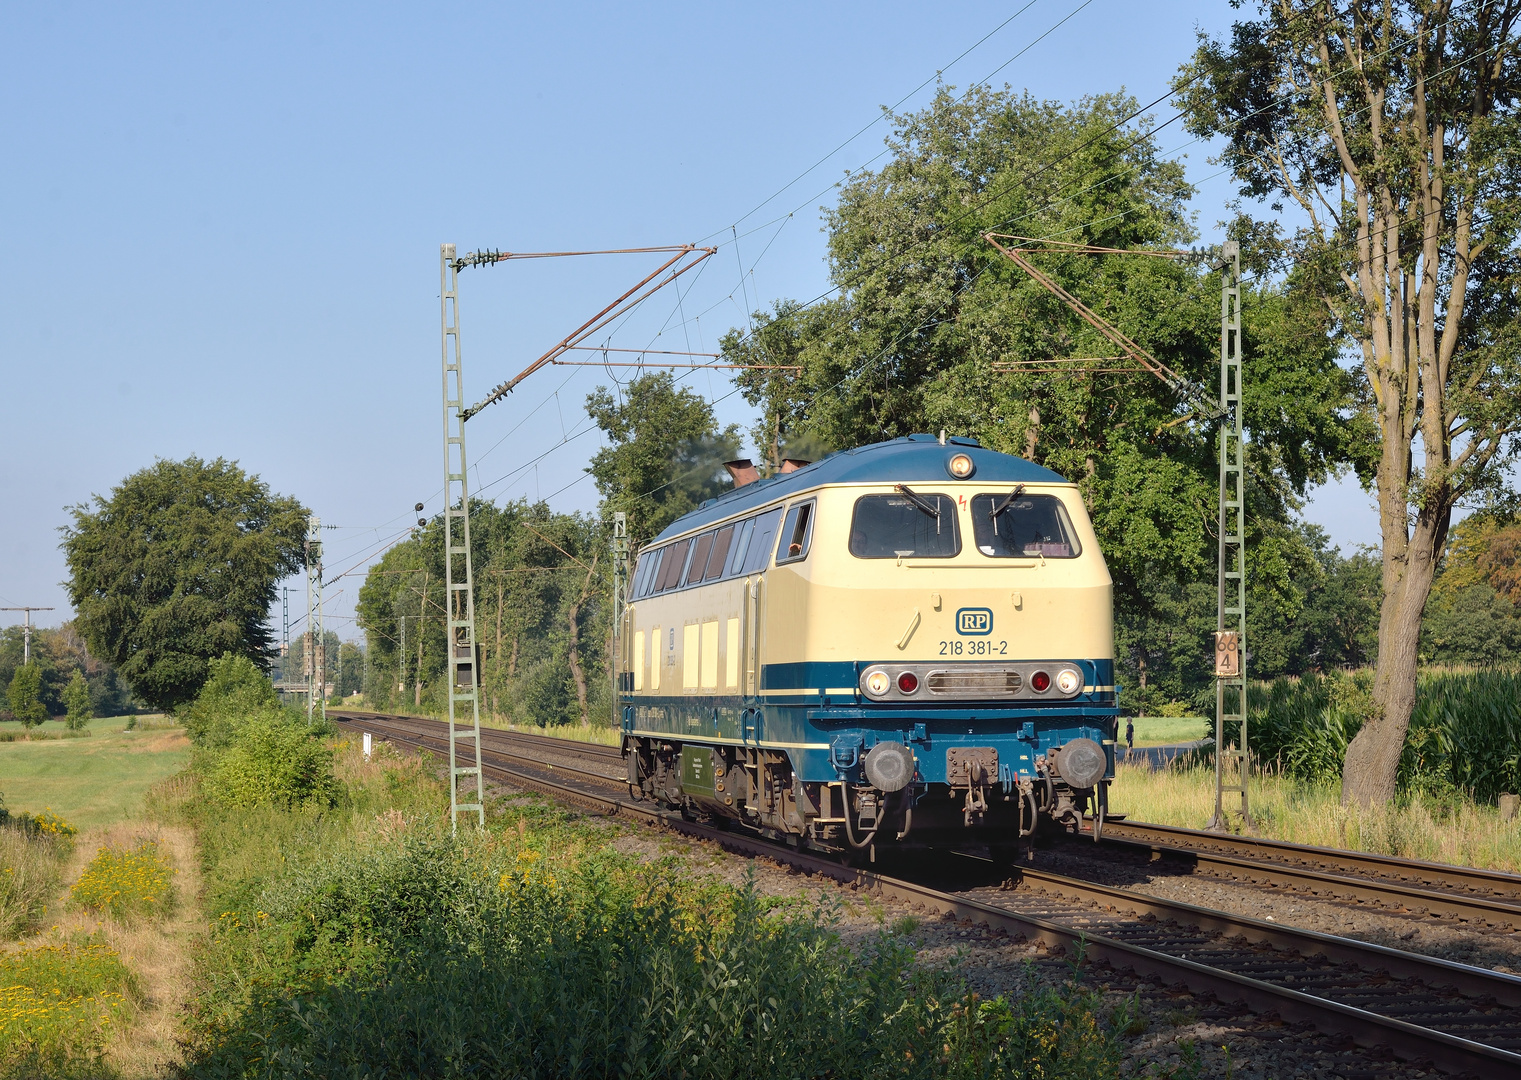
58,1006
177,567
76,699
1470,625
59,652
25,696
540,952
1465,732
127,882
664,456
275,758
542,601
250,751
235,689
1311,607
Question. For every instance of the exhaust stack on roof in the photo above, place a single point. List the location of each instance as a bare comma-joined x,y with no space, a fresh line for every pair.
742,472
793,464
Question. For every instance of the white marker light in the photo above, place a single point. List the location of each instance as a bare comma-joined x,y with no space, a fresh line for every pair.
877,683
960,466
1068,681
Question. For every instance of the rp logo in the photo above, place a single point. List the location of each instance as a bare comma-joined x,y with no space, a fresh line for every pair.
974,621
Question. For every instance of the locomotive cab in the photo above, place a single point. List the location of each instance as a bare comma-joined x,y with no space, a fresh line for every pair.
909,643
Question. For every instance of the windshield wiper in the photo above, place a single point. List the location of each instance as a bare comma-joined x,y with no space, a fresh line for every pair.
919,502
1001,507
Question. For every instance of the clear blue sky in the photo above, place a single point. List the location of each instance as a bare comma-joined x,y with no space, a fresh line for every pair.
221,223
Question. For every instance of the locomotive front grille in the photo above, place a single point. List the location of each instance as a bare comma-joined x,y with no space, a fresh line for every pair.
985,682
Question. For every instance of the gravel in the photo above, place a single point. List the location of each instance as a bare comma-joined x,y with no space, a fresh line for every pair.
1498,949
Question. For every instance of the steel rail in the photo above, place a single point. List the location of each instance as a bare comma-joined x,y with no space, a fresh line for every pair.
1366,1027
1323,884
1411,872
571,746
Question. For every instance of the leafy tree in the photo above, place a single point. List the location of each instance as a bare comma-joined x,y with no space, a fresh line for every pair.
1471,624
178,566
934,329
665,454
542,617
25,695
1390,125
76,699
350,670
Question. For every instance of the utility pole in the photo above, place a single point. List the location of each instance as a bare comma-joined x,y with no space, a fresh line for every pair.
314,659
26,633
1230,632
461,685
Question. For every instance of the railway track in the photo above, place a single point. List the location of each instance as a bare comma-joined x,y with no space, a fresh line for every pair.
1463,1019
1429,878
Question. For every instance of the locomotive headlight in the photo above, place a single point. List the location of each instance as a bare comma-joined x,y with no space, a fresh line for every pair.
877,683
1068,681
960,466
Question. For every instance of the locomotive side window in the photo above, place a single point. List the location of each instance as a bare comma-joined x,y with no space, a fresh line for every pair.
742,533
797,531
649,570
699,559
673,564
761,541
719,555
1019,526
922,525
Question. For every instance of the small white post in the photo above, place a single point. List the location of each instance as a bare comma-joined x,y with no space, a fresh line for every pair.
367,746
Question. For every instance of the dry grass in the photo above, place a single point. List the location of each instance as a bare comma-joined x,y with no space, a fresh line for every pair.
157,951
603,736
1284,809
29,875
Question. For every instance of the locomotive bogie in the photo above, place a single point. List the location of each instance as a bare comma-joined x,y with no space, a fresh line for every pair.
876,649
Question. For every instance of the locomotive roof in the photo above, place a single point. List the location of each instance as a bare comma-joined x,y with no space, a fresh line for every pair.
914,459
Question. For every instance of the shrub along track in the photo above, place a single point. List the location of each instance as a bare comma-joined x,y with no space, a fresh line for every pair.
1465,1019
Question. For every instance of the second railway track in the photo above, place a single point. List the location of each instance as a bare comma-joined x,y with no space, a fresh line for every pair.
1464,1019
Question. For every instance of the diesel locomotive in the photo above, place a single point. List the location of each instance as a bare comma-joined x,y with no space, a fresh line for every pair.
908,644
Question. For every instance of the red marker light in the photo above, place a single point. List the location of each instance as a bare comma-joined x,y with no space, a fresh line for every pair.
1040,682
908,682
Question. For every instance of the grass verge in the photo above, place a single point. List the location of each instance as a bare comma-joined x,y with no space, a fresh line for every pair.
1453,831
363,940
93,781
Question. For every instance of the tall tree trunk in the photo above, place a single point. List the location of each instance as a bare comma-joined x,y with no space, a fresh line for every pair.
576,671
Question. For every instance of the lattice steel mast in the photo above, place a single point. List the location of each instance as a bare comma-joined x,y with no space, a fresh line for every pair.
1230,635
459,574
314,653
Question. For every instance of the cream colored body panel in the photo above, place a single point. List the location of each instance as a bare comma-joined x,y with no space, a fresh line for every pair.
834,606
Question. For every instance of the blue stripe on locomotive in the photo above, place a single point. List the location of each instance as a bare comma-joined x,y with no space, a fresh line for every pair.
826,734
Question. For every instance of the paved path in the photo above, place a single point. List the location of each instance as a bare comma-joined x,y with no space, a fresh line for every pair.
1157,756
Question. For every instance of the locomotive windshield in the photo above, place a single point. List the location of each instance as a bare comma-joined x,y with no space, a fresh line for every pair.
1019,526
910,523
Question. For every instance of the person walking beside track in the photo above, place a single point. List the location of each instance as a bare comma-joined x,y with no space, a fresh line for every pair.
1129,736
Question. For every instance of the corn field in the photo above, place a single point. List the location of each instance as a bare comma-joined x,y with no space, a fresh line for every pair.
1464,738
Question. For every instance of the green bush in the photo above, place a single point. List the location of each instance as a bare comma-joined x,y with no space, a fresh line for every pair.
235,690
275,759
442,960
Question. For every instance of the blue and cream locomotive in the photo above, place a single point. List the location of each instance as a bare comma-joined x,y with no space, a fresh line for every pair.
906,644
